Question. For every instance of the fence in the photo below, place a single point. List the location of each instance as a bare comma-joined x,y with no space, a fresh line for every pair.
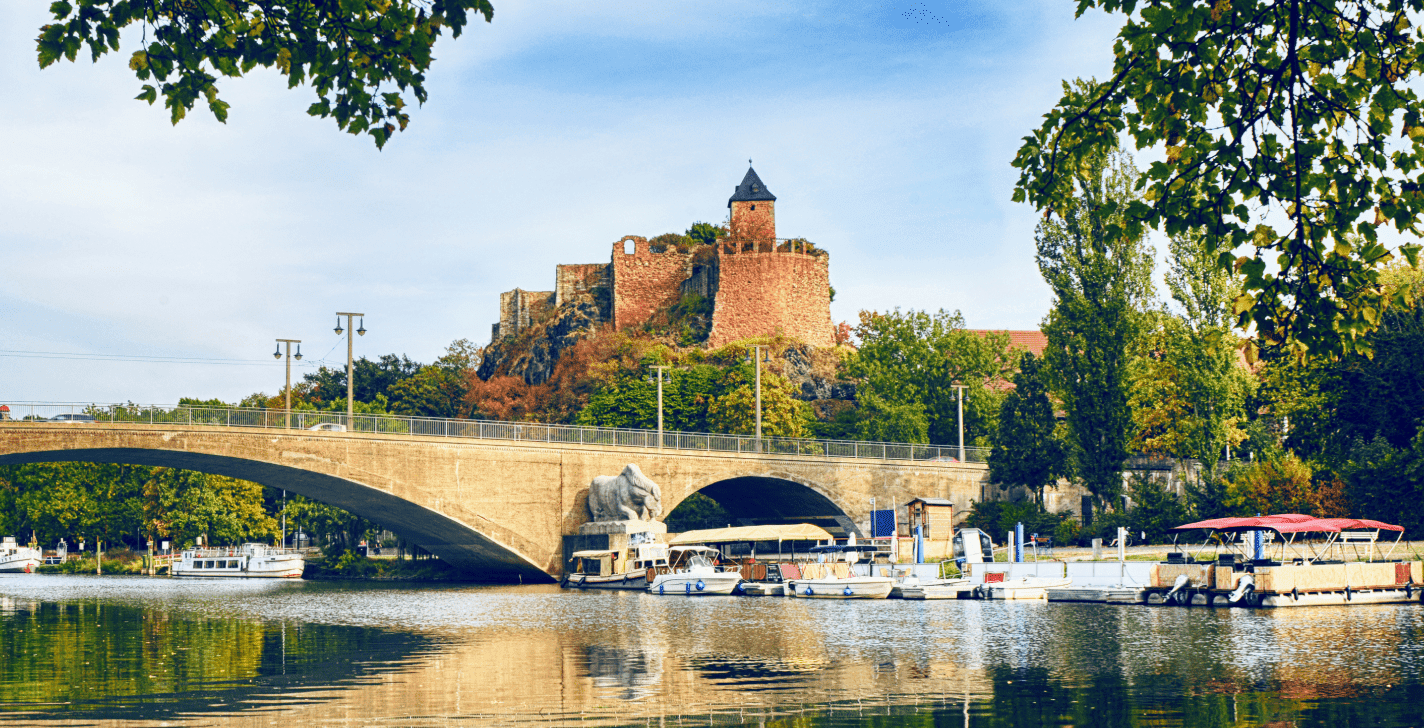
489,430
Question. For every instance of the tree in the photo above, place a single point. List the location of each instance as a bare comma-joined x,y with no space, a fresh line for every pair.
360,56
1188,389
1100,282
916,358
1027,451
1276,121
439,389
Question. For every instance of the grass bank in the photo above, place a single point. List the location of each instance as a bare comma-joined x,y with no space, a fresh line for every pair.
353,566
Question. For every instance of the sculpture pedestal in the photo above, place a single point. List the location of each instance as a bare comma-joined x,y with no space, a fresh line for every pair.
626,527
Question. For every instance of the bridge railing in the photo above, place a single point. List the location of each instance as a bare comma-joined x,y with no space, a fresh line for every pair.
489,430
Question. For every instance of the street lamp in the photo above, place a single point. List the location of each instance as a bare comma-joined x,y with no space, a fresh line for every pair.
660,369
350,373
959,389
278,355
756,357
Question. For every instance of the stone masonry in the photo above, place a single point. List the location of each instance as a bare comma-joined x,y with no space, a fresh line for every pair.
517,309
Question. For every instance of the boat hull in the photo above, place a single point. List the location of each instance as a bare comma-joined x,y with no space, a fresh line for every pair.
939,588
620,582
866,587
1028,588
695,585
762,589
22,565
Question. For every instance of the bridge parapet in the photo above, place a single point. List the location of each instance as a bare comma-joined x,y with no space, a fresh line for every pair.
278,419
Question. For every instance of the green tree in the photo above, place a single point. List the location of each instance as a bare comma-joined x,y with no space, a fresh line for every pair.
1277,121
439,389
1027,451
361,57
1100,283
782,413
915,358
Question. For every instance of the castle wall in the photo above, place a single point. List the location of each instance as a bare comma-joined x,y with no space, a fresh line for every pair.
517,309
759,293
753,220
573,279
644,281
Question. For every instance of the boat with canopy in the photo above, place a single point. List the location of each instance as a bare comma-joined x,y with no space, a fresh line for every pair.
1287,559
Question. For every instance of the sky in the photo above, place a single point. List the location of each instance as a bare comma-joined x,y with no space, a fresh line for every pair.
885,129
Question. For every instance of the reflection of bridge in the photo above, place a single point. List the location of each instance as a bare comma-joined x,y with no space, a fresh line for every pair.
499,504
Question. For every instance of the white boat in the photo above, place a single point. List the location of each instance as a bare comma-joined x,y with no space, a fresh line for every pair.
1029,587
934,588
248,561
831,586
15,558
693,572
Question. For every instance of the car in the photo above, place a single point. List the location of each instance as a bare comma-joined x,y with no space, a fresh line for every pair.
328,427
72,418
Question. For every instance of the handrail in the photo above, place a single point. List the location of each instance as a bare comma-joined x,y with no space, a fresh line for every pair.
274,418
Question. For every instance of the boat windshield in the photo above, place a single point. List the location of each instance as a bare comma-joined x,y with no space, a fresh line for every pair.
698,560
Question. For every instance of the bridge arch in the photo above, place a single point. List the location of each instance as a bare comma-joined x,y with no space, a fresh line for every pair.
486,556
760,498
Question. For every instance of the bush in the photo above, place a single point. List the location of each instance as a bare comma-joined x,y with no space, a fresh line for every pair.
997,518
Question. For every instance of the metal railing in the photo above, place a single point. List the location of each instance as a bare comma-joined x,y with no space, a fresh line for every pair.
490,430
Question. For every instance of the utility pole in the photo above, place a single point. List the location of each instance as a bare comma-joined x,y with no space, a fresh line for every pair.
278,354
756,355
960,391
660,369
350,371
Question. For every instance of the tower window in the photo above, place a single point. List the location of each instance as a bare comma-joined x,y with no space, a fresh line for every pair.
629,247
753,208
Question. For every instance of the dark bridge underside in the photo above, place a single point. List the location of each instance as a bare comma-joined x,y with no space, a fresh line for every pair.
755,500
479,556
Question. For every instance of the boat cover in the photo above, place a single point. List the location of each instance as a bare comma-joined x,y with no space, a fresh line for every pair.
793,532
1289,523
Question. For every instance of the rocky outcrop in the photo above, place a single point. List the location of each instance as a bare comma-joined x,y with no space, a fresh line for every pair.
532,355
800,370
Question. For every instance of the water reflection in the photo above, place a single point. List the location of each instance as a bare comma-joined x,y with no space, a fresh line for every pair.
219,653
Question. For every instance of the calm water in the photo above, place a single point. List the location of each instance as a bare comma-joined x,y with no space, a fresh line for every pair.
116,650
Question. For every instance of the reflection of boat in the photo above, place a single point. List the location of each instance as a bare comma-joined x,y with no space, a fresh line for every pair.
693,572
251,560
1028,587
1309,567
837,582
629,568
15,558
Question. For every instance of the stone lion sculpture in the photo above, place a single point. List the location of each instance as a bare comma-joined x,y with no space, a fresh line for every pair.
627,496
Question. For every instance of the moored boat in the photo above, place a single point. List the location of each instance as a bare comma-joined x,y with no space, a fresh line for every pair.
936,589
836,581
15,558
631,568
248,561
1028,587
693,571
1308,566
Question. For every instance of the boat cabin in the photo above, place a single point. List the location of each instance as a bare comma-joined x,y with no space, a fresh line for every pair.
607,562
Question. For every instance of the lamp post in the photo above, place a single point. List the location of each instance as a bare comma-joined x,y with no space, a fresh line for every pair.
959,389
756,356
287,423
350,372
660,368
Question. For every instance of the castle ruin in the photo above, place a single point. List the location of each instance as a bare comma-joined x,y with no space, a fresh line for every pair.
759,284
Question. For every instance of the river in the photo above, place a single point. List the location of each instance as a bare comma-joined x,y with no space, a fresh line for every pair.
152,651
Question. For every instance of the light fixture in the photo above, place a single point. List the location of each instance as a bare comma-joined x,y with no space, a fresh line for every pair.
299,352
362,331
278,353
338,326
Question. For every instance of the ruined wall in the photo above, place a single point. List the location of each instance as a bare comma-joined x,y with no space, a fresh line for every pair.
573,279
753,220
517,308
760,293
644,281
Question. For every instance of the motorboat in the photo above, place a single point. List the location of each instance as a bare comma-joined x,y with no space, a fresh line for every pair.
15,558
1028,587
1286,560
631,568
837,581
693,571
911,588
248,561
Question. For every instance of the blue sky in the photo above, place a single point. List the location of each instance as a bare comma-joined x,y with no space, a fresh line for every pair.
886,130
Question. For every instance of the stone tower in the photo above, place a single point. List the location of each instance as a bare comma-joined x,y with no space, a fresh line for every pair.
753,210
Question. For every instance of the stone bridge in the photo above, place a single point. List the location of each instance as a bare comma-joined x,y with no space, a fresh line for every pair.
498,508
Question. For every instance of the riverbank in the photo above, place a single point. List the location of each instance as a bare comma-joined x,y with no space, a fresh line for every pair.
352,566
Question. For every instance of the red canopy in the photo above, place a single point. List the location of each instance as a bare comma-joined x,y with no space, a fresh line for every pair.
1289,523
